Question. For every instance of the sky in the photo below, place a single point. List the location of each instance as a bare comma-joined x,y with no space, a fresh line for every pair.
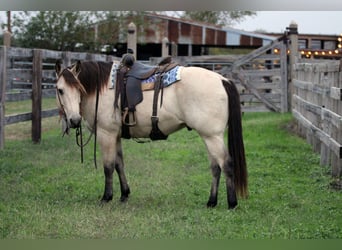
309,22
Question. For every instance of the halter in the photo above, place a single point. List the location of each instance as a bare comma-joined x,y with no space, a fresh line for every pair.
79,134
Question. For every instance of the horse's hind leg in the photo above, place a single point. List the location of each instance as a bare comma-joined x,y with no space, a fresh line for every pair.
220,161
216,172
228,169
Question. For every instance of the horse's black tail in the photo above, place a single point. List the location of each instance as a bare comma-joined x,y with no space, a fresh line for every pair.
235,139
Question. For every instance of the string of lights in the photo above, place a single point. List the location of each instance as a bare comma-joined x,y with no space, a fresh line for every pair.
308,53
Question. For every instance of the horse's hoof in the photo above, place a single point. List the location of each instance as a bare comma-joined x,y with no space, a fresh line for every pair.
232,206
124,195
211,204
123,199
106,198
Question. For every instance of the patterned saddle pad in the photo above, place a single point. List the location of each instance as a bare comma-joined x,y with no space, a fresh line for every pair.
168,78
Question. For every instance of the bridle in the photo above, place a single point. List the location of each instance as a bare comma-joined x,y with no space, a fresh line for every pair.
79,134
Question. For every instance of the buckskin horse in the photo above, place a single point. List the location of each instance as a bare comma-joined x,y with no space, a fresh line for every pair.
199,99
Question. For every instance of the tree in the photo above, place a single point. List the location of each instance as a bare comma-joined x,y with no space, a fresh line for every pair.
58,30
70,30
222,18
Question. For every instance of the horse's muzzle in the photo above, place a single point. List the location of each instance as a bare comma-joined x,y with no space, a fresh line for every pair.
75,121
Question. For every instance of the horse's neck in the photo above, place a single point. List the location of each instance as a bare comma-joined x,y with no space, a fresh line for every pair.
105,107
87,107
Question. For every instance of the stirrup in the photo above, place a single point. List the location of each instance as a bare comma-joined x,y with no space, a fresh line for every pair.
124,116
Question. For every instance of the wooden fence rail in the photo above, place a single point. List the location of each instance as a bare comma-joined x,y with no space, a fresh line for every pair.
317,106
28,74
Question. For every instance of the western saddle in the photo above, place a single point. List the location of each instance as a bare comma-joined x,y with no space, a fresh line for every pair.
129,88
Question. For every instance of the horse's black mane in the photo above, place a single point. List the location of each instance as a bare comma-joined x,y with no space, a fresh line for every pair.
92,74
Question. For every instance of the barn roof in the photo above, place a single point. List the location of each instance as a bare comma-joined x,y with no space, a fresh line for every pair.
185,31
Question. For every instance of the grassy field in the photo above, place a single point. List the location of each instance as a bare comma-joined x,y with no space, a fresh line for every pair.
23,130
47,193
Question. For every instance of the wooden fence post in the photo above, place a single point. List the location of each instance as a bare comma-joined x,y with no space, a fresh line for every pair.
3,60
37,95
66,60
284,105
174,49
337,106
293,36
165,47
7,38
132,38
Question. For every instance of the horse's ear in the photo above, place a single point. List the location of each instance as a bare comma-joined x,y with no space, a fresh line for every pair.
76,69
58,67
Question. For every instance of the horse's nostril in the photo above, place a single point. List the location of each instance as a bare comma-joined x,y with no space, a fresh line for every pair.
75,122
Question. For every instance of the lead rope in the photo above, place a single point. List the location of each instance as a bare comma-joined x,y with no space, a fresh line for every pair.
79,140
80,144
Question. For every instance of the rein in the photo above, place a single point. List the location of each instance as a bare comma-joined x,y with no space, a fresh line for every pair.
79,140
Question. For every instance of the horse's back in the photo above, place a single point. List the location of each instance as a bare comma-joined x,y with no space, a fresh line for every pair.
204,76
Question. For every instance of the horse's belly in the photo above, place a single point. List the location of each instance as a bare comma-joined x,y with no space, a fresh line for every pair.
169,121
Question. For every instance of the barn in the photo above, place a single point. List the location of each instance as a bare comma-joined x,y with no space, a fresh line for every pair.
191,38
185,37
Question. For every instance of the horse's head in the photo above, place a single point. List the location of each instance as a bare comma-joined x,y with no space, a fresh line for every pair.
68,94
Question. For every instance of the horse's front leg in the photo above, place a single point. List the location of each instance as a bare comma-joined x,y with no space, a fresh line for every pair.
108,190
119,167
112,159
109,151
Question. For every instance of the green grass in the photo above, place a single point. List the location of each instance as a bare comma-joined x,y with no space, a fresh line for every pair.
23,129
26,106
47,193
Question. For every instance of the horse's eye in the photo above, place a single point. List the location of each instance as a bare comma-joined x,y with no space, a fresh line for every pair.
60,91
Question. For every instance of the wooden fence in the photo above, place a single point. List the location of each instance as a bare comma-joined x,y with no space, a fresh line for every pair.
29,74
317,106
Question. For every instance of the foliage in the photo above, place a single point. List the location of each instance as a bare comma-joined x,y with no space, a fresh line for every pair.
47,194
72,30
59,30
223,18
